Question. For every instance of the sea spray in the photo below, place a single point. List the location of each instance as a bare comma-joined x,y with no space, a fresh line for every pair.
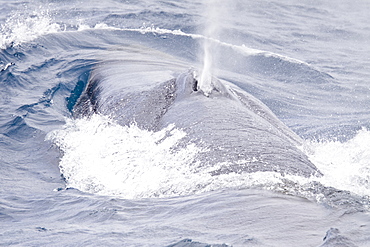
26,26
212,13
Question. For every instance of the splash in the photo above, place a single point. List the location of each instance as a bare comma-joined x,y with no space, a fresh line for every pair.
100,156
25,27
346,166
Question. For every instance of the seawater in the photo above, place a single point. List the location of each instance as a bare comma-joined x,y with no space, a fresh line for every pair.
92,182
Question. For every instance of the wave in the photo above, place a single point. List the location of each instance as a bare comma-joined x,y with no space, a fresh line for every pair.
27,26
30,26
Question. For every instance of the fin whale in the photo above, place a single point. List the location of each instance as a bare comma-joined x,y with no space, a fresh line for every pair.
237,132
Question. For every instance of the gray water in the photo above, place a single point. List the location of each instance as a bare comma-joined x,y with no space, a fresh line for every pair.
307,61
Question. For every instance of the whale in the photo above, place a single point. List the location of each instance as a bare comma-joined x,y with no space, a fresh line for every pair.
236,132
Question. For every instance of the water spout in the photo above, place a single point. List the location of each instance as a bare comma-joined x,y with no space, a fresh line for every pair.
211,28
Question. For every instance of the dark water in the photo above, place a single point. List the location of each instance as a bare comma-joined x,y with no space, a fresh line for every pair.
307,61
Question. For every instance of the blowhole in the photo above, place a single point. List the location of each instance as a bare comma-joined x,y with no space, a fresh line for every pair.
195,85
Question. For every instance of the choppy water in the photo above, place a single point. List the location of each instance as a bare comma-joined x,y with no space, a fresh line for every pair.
124,186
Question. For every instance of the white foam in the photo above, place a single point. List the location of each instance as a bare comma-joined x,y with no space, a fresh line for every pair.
103,157
345,166
4,67
26,26
100,156
23,27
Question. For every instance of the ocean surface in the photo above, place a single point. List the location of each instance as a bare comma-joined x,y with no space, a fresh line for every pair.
91,182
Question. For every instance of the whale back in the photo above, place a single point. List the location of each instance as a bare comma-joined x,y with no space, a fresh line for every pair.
236,131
